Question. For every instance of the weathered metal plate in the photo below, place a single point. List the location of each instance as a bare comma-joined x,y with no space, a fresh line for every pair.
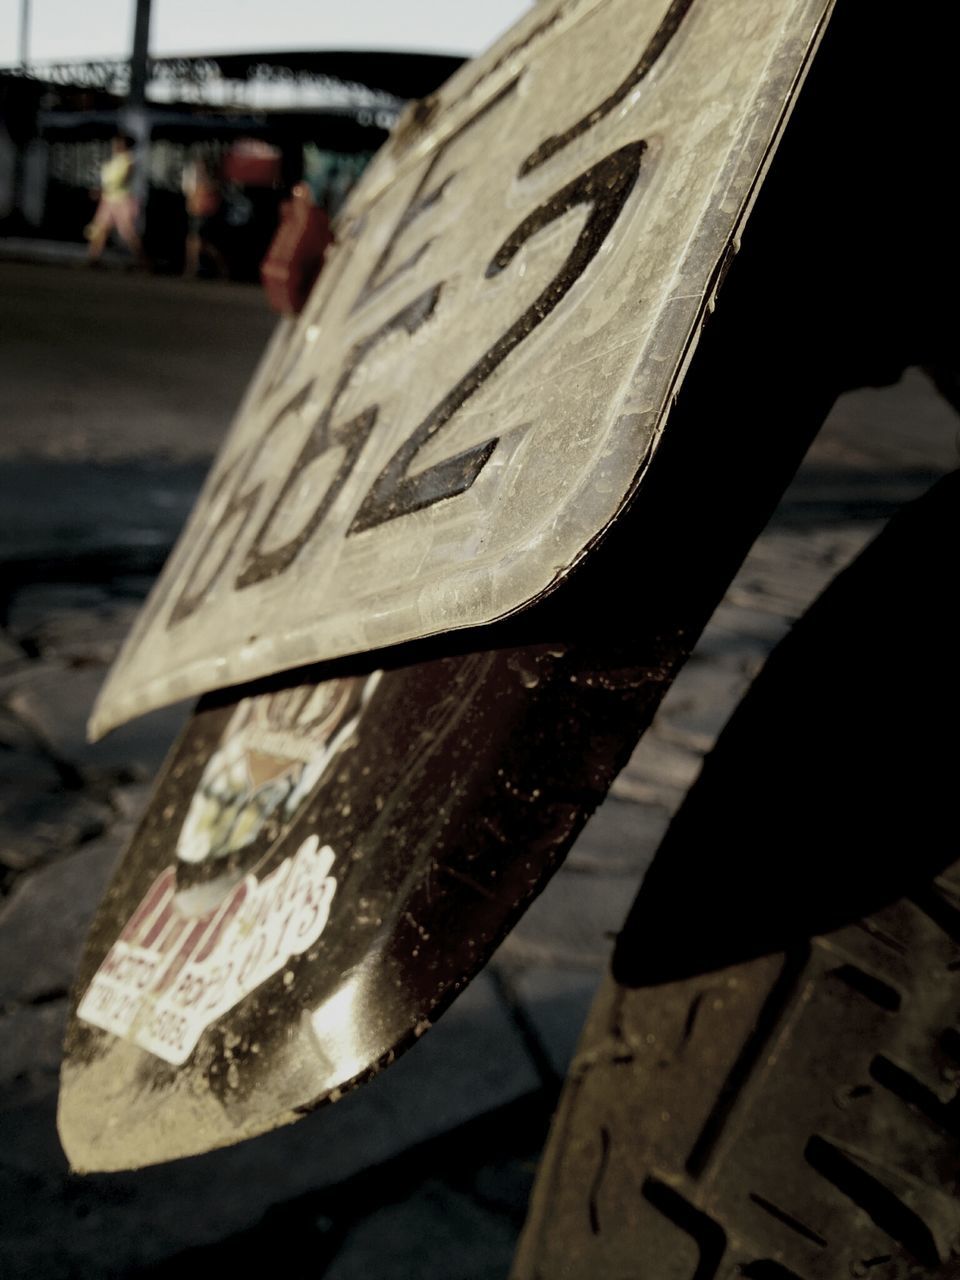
320,871
481,376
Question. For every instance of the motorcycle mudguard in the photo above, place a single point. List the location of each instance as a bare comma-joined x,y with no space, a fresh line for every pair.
331,855
321,869
483,374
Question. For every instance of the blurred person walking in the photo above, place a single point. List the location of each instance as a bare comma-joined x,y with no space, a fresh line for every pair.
117,207
204,198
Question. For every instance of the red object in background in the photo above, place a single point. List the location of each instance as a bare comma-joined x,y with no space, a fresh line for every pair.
296,254
252,163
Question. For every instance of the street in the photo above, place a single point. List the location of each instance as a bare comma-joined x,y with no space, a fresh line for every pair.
118,389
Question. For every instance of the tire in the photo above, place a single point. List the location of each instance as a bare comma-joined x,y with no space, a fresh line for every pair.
767,1083
794,1116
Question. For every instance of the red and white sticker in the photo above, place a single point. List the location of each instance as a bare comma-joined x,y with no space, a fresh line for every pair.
170,975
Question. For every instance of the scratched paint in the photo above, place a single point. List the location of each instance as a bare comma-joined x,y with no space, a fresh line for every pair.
484,371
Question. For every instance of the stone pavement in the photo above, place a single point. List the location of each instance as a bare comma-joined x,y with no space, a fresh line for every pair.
426,1171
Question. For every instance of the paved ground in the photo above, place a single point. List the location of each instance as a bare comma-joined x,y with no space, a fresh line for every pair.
117,390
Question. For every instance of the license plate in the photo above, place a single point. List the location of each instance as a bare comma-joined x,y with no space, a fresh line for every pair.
484,371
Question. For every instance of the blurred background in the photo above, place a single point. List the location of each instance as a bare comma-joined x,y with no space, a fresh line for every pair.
255,93
118,385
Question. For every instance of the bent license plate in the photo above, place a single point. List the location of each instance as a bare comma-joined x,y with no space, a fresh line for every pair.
482,374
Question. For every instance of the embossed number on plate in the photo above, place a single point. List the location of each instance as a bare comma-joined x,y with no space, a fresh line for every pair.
483,371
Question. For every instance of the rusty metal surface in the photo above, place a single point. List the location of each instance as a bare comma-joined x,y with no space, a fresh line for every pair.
483,374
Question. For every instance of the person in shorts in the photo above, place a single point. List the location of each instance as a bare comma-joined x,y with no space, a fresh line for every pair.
117,207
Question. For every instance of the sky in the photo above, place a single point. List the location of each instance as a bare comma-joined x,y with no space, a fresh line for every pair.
61,29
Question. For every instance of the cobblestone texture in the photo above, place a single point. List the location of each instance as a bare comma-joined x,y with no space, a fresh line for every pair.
426,1171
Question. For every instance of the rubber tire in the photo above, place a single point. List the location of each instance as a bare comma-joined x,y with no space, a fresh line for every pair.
767,1083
